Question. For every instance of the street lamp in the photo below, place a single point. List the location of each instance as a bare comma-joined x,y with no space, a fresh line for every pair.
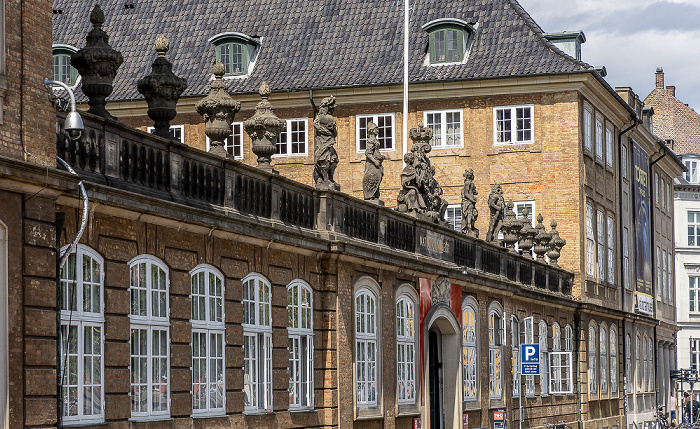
74,123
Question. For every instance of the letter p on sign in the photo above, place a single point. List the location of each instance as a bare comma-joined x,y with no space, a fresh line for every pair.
530,359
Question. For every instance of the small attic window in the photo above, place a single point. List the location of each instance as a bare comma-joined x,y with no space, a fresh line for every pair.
448,40
236,51
62,70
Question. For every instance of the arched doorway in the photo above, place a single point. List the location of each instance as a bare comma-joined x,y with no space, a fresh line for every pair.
442,370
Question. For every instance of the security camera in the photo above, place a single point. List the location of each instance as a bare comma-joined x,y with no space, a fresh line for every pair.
74,123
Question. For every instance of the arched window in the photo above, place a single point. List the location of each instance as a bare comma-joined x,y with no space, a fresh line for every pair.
495,351
640,360
366,347
603,358
406,348
257,343
544,358
236,51
448,40
150,339
592,360
470,362
650,365
529,335
62,70
613,359
82,336
556,359
208,341
300,331
515,354
628,362
569,338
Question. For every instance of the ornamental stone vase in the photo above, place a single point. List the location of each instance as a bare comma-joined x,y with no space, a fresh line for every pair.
511,227
97,64
263,128
218,110
162,90
527,234
555,245
541,239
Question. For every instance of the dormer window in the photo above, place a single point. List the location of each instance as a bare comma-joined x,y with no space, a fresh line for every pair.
448,40
236,51
62,70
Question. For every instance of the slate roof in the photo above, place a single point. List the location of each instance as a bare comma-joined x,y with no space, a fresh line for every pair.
674,120
313,44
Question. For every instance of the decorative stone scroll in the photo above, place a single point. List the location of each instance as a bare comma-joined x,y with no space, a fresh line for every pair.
218,110
469,211
496,206
162,90
374,170
97,64
264,128
325,156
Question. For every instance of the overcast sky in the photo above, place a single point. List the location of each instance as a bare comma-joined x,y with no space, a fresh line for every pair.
631,38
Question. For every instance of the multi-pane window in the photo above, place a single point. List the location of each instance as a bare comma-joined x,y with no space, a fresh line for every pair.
611,250
385,127
641,360
694,292
695,354
233,144
453,215
446,126
406,350
177,132
529,338
62,70
150,339
590,242
650,365
592,360
670,277
656,187
365,348
234,57
658,271
257,343
469,351
544,358
561,374
599,139
292,141
603,359
495,352
601,246
609,147
447,45
613,360
587,129
555,369
513,124
626,258
82,336
623,160
301,339
664,275
692,174
208,333
661,191
628,360
693,228
669,201
515,354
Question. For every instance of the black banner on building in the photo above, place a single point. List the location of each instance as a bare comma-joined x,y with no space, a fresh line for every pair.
642,227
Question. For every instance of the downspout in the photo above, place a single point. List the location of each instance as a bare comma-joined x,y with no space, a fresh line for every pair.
577,339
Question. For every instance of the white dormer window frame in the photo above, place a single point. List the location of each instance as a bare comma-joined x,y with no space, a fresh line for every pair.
237,51
63,71
448,41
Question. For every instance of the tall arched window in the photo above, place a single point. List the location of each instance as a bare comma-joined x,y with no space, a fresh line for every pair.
603,358
208,341
366,347
640,359
544,358
556,359
82,336
592,359
257,343
650,365
300,330
406,348
569,338
628,363
469,350
529,335
613,359
515,354
495,351
150,339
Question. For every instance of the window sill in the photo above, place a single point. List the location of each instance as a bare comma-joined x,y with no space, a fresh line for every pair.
368,414
258,412
471,406
302,410
81,424
408,410
208,416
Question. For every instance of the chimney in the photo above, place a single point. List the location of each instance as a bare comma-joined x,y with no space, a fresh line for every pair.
671,90
659,78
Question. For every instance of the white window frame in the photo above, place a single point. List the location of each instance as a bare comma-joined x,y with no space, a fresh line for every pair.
600,229
609,147
528,335
671,284
656,188
695,354
694,294
662,191
611,250
453,215
658,272
81,320
626,258
470,350
588,128
669,199
289,152
640,360
366,338
695,225
173,130
624,160
514,125
406,323
495,351
391,140
555,364
515,354
692,176
230,141
443,128
590,243
300,331
561,377
664,274
592,359
599,139
257,333
628,363
613,359
212,353
544,358
151,325
603,367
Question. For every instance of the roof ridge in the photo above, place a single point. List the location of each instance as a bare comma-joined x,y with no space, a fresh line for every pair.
539,33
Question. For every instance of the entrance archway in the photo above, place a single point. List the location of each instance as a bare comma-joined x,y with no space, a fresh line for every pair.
442,370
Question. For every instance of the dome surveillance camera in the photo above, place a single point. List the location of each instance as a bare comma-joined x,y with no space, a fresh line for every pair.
74,125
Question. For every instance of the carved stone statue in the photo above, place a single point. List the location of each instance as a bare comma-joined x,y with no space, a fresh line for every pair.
410,198
440,291
469,211
325,156
496,206
374,170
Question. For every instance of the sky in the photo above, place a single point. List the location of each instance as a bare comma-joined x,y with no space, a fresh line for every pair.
631,38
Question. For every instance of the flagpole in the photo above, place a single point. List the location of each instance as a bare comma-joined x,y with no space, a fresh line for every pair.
405,77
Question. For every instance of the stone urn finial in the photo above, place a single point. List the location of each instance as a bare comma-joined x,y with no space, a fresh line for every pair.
162,90
541,239
263,128
218,110
555,245
97,64
527,234
511,228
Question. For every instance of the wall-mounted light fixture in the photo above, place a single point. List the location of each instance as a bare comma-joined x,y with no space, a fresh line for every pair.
74,123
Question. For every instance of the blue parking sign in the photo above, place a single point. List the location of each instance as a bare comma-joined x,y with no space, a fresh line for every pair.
530,359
